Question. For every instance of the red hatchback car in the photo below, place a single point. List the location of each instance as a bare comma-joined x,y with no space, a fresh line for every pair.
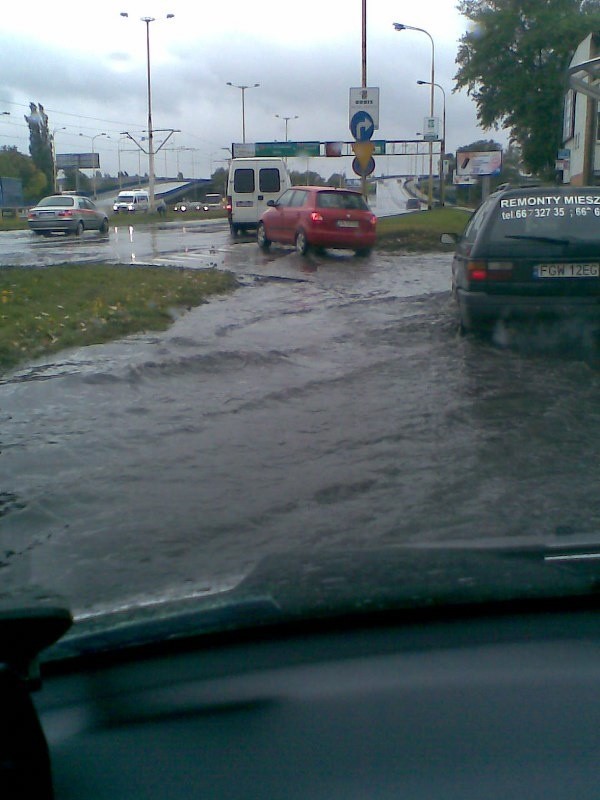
319,216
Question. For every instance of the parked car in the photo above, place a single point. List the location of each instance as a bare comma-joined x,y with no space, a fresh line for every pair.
413,204
319,216
528,252
62,213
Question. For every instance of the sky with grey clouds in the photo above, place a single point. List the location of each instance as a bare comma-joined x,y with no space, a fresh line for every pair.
88,69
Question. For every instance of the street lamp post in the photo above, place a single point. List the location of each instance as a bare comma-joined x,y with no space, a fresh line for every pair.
93,138
400,27
151,181
243,90
286,120
443,148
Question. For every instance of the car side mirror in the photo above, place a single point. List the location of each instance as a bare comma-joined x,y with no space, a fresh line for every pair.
448,238
271,203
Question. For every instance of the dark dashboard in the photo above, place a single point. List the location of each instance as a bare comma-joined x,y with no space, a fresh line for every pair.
492,706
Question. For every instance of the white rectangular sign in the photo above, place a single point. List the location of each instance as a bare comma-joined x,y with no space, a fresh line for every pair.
431,129
365,99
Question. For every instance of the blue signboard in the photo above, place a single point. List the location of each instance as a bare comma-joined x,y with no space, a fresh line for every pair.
362,126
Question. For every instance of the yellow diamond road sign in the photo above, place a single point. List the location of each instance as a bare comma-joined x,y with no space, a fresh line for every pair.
363,151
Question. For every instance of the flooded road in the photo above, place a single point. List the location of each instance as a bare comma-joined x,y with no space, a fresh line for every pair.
326,403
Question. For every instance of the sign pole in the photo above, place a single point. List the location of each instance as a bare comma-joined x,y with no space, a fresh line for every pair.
363,181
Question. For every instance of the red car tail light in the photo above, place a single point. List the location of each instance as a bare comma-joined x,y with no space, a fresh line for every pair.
65,213
477,270
316,217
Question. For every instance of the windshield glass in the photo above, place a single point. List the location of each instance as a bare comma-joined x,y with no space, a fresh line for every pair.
560,217
341,200
259,405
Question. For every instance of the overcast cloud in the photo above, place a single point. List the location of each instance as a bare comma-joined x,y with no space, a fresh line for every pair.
89,72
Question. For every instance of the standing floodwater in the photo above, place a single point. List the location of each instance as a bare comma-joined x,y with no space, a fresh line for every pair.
345,411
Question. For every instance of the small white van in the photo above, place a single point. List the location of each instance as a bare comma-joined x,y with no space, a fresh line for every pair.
129,202
251,184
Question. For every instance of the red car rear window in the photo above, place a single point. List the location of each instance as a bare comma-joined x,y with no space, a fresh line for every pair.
345,200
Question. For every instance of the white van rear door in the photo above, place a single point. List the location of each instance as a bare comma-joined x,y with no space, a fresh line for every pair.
243,194
270,186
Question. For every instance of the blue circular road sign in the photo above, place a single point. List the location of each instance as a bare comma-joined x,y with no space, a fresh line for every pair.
363,171
362,126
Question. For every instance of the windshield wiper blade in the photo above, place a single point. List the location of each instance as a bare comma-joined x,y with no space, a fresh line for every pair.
549,239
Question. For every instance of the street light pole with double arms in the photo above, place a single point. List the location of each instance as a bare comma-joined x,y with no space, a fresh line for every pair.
401,27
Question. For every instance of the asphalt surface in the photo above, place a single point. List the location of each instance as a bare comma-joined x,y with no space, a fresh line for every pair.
328,403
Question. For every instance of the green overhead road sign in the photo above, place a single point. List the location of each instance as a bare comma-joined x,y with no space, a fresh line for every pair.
309,149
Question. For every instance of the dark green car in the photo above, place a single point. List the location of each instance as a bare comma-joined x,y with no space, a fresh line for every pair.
530,252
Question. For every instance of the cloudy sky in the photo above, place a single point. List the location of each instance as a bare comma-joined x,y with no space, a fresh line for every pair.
88,69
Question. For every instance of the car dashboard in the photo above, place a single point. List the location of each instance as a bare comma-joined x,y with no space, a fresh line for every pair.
485,705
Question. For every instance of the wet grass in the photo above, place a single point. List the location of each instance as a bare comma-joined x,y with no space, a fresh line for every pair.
420,230
46,310
13,223
170,216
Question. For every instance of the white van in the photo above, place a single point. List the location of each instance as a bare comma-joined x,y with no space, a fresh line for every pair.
129,202
252,183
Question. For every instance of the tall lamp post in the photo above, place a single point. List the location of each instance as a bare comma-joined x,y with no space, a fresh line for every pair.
443,149
243,90
400,27
148,20
286,120
93,138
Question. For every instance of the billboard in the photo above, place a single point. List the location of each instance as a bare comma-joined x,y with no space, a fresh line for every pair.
77,161
477,162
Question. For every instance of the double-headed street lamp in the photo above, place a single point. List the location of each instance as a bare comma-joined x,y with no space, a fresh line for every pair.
286,120
400,27
93,139
443,148
243,90
148,20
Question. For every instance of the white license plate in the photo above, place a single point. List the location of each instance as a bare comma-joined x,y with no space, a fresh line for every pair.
347,223
567,271
244,204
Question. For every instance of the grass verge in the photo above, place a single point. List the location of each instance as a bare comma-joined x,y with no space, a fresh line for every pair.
420,230
46,310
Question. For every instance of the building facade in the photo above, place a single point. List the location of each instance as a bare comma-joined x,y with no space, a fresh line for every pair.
579,159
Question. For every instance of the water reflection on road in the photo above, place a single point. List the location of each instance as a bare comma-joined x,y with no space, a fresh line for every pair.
337,407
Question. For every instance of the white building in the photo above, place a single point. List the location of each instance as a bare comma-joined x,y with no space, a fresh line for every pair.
580,157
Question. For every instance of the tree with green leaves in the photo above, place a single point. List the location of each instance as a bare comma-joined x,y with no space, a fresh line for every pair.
40,141
14,164
513,62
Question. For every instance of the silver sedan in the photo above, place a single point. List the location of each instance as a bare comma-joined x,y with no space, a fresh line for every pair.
64,213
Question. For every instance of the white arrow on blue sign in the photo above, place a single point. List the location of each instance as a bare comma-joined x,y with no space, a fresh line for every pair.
362,126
